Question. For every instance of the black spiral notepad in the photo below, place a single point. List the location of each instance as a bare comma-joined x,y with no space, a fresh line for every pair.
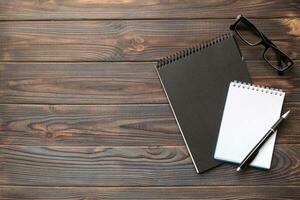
195,81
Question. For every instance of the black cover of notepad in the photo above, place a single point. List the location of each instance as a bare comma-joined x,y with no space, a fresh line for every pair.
196,82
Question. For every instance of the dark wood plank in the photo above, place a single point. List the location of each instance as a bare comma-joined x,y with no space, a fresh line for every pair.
134,166
110,83
133,40
88,125
127,125
204,192
80,83
99,9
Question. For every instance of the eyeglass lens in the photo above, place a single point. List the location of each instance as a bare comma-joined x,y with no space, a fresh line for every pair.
277,59
248,33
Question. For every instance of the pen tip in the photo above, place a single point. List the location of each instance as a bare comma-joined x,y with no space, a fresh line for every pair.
238,169
285,114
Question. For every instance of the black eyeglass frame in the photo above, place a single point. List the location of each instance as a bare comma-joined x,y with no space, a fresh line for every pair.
267,43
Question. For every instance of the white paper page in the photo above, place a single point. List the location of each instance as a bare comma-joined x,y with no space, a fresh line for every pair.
249,113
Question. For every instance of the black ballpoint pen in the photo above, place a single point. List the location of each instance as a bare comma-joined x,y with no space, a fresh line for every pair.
251,155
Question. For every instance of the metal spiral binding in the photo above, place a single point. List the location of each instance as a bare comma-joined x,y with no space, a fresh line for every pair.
186,52
257,88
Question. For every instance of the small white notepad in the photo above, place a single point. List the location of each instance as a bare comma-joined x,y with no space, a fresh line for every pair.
250,111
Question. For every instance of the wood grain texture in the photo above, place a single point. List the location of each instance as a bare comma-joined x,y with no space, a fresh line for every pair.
127,125
111,83
133,40
99,9
88,125
134,166
206,193
80,83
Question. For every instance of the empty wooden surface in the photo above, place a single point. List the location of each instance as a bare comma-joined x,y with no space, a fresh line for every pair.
187,192
83,114
158,9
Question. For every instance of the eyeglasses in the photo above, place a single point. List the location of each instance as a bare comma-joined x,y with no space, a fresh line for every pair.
253,37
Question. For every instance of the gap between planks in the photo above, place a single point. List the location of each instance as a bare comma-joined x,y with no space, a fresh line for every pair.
166,187
143,19
117,147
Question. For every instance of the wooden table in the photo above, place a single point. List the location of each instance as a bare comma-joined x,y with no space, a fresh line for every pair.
83,114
